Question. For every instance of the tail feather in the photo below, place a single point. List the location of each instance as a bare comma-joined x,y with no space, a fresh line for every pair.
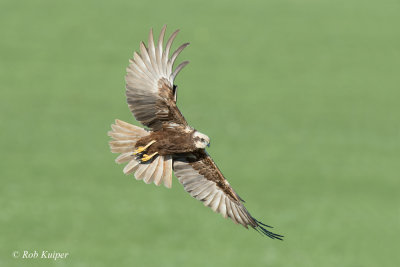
121,130
117,149
121,136
131,166
167,174
134,129
124,157
125,136
139,174
123,143
157,175
151,170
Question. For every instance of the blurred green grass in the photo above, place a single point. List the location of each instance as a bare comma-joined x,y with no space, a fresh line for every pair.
300,99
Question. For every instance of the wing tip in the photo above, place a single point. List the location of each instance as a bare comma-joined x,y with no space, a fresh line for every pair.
178,69
259,227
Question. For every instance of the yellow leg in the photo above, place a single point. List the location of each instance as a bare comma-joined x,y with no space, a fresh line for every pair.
143,148
148,157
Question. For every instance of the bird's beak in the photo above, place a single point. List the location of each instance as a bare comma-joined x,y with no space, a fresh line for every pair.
208,145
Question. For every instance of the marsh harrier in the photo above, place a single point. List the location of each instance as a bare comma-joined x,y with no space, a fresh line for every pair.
169,144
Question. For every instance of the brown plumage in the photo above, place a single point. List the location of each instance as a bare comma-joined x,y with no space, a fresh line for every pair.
170,143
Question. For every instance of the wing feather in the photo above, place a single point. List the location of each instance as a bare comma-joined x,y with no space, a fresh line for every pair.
237,216
229,210
201,177
135,69
210,197
167,50
159,51
142,66
147,61
196,183
222,206
171,61
152,53
178,69
215,202
206,192
201,186
150,90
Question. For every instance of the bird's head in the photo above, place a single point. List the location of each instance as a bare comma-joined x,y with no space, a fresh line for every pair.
201,140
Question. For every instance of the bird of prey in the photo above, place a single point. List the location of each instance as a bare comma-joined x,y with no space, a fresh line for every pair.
169,144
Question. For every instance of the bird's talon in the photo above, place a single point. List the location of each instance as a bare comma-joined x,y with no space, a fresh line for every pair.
148,157
138,150
145,157
143,148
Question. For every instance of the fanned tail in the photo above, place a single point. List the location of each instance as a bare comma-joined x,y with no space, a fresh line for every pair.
125,136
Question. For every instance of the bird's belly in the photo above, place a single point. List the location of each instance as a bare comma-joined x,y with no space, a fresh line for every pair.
172,143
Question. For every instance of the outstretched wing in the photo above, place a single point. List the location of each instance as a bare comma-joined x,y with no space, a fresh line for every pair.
150,89
201,177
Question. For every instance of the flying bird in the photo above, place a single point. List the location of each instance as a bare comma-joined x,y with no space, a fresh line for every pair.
170,144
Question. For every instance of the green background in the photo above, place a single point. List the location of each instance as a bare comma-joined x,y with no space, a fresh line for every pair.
300,99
